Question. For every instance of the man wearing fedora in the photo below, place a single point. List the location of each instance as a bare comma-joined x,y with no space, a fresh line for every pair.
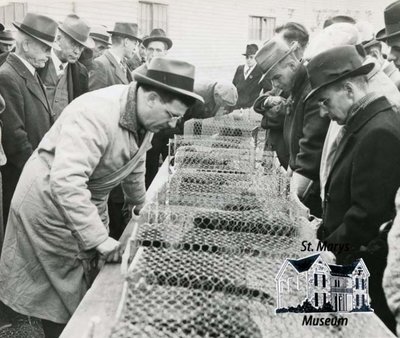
139,58
28,114
365,172
58,224
7,43
111,67
157,44
247,78
391,34
304,130
101,41
65,78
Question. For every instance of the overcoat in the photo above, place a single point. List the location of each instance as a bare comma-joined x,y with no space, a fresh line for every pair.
107,72
58,214
249,88
77,78
26,119
364,178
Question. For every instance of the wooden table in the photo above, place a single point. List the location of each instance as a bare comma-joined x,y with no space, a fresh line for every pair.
102,299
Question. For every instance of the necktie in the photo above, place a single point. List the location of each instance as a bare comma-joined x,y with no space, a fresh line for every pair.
246,73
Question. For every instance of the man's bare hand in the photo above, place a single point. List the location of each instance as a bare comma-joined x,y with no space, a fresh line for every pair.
109,249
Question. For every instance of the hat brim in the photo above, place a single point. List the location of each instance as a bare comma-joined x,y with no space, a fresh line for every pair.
18,26
363,70
89,43
125,35
385,37
7,42
168,41
101,40
140,78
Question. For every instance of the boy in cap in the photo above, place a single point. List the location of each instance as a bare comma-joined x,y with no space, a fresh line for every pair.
64,76
58,224
365,171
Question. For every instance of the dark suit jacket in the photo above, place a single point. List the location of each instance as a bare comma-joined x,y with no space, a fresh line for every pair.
26,118
304,130
364,178
107,72
77,78
248,89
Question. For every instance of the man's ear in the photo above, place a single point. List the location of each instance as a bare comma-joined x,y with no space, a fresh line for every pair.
152,98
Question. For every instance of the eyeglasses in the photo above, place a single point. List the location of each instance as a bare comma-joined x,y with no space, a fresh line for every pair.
174,118
324,102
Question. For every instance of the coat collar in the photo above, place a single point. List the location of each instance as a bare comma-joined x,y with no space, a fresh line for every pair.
117,68
32,84
300,79
128,119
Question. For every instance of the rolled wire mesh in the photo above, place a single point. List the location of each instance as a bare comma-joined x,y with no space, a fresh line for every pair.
206,254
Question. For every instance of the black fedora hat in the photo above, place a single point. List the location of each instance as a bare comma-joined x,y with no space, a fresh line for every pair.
251,49
77,29
126,29
392,20
1,27
40,27
336,64
380,35
157,34
171,75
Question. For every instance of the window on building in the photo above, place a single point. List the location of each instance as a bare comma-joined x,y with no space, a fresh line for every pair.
324,281
357,283
338,283
152,15
315,279
357,300
316,299
324,299
362,299
363,284
14,11
261,27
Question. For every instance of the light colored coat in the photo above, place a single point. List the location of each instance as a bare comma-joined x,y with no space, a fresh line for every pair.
57,216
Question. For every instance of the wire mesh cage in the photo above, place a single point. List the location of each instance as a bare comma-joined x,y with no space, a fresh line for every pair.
204,254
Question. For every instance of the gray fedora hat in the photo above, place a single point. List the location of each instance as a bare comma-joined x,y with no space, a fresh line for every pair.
99,33
126,29
77,29
40,27
171,75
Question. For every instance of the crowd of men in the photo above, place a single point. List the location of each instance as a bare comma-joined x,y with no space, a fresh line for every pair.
82,106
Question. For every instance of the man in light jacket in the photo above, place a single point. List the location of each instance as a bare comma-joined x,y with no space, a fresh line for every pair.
58,223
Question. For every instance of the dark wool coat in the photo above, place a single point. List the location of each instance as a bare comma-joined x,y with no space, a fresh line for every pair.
365,175
107,72
304,129
26,119
77,78
248,89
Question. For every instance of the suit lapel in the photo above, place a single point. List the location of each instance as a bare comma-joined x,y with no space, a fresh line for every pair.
31,82
117,68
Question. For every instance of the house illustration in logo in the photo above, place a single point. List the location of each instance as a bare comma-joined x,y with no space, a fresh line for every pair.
321,286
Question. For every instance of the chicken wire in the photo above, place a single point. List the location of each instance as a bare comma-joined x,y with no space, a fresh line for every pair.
203,257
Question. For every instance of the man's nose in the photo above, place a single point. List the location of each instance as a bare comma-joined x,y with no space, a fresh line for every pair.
392,56
323,111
